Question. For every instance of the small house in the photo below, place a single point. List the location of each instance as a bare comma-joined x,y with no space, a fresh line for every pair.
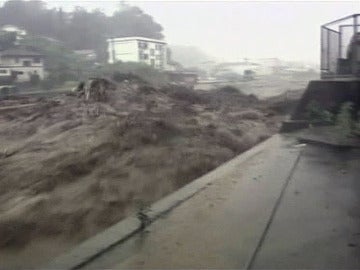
21,64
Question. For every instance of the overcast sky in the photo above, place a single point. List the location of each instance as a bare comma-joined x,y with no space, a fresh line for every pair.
233,30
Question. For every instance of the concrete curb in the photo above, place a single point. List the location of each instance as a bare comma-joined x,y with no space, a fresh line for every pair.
120,232
321,142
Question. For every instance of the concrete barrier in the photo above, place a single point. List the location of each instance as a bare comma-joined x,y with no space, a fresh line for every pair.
329,94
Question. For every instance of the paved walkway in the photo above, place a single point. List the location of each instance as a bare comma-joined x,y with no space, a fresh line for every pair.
290,206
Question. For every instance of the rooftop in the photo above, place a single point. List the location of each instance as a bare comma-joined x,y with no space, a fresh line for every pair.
84,51
136,38
19,52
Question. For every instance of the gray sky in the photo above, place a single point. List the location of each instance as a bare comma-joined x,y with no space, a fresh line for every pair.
233,30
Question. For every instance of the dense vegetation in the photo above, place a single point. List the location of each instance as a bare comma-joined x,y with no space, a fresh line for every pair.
346,118
79,29
56,34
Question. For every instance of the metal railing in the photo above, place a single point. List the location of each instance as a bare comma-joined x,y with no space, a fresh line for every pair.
336,39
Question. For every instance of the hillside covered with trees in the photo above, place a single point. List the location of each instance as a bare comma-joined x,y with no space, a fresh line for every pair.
79,29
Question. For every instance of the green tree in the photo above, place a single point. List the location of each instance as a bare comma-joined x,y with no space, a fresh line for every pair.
61,63
344,120
79,29
132,21
7,40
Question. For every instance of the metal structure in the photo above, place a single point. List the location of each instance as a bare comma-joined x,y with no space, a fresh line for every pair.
340,47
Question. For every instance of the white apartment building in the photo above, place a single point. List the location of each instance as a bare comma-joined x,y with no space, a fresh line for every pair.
137,49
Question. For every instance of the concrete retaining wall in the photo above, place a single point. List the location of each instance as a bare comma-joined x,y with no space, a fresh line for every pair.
329,94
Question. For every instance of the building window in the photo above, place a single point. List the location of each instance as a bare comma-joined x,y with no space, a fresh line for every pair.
143,56
17,60
158,57
152,62
158,47
3,71
152,52
37,60
27,63
143,45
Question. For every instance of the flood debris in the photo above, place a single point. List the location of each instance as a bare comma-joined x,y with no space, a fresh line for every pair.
95,89
74,164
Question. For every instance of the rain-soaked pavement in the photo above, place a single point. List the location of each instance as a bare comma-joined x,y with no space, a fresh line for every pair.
290,206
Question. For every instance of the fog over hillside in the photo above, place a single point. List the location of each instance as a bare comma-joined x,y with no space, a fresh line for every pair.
189,56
